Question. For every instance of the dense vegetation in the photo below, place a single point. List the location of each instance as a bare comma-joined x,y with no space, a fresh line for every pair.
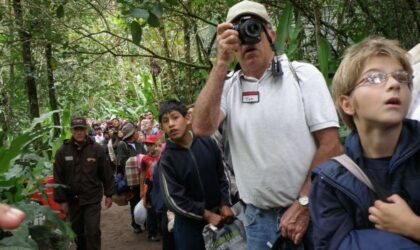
105,57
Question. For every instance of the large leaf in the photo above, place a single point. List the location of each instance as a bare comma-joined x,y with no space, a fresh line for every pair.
20,240
7,155
136,32
323,56
283,28
42,118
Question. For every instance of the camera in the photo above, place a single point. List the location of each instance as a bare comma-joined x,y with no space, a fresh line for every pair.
249,30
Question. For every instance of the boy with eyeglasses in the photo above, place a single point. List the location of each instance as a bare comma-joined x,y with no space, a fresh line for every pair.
372,92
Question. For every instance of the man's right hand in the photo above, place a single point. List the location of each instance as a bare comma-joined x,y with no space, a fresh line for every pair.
228,43
64,207
213,218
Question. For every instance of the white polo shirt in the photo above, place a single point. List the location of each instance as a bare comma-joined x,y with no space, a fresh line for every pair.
271,142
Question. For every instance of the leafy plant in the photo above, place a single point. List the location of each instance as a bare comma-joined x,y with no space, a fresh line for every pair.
23,165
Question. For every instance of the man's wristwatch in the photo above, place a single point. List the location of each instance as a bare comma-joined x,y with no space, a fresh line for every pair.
303,200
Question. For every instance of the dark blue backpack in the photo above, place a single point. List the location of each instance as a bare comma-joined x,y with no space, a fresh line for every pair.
120,183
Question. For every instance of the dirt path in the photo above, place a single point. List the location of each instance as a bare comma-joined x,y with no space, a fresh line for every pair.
117,233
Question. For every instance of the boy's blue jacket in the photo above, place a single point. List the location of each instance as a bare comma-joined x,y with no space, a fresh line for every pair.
193,179
339,202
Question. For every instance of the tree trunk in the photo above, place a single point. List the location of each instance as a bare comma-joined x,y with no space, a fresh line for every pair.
187,50
4,103
25,37
51,88
171,79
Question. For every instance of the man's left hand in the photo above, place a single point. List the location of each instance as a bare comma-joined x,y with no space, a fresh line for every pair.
294,222
108,202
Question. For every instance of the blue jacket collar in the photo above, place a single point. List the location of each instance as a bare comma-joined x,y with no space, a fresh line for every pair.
409,144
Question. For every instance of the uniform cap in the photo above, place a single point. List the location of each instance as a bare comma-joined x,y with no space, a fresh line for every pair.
78,122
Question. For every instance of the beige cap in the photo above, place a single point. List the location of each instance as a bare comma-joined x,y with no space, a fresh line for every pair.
247,8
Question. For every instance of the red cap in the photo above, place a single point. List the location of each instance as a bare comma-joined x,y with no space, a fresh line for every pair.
151,139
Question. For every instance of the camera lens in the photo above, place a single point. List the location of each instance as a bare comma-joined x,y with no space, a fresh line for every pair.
252,28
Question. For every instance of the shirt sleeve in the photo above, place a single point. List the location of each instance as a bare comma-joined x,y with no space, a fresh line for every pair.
222,178
59,177
175,194
319,107
226,88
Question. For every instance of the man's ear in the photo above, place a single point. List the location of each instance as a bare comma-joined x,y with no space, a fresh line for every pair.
273,35
346,104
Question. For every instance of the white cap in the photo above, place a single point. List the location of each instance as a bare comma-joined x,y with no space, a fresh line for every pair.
247,8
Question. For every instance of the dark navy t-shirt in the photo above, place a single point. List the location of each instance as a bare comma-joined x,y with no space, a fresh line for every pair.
377,169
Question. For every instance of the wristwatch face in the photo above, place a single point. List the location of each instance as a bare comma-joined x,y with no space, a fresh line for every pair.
303,200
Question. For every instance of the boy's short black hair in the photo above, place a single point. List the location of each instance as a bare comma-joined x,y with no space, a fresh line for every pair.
171,105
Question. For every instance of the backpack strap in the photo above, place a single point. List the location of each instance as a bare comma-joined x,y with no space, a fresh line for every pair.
293,72
353,168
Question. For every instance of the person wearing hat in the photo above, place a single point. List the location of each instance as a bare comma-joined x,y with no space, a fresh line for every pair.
82,170
269,101
147,164
128,147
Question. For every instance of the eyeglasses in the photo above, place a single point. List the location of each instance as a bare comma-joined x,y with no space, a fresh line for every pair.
376,78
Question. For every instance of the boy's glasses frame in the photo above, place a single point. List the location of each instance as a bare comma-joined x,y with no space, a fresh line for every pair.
379,78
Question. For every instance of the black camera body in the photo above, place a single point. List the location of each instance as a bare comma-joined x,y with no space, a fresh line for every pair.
249,30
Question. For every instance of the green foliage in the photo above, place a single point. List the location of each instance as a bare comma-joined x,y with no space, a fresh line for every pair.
23,164
323,57
283,28
42,229
289,33
60,11
136,31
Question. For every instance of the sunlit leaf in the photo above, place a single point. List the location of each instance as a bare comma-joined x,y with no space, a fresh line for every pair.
42,118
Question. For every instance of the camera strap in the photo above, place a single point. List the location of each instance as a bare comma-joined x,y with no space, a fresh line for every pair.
275,63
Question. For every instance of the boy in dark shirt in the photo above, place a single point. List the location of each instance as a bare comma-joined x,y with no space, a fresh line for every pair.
193,182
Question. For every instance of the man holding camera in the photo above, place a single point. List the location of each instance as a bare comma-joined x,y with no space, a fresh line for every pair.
268,102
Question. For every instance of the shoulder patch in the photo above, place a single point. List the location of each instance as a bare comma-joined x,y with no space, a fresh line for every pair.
68,158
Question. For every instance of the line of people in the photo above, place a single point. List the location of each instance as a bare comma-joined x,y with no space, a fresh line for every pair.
282,127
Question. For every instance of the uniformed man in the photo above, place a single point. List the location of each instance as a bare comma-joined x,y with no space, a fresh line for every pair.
85,175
